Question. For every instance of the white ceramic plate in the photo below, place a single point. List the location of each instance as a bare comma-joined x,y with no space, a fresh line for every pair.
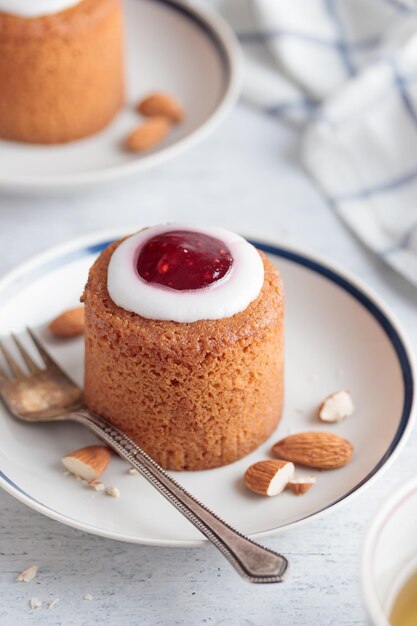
170,46
389,555
339,335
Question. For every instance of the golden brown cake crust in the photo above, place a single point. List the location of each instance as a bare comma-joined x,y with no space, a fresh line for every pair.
61,75
194,395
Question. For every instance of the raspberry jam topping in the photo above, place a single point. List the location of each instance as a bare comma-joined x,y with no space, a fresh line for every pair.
184,260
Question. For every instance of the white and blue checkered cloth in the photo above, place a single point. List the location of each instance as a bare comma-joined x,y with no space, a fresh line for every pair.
347,71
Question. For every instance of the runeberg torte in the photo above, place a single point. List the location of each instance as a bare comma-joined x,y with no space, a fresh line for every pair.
201,384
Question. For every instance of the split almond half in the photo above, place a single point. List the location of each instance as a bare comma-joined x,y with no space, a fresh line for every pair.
87,463
161,104
69,324
269,478
321,450
300,486
336,407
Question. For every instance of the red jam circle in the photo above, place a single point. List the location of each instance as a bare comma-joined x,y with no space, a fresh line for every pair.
184,260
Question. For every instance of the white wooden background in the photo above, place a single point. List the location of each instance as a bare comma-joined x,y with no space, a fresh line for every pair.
246,177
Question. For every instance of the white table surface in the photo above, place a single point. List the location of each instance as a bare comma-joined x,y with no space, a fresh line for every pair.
246,177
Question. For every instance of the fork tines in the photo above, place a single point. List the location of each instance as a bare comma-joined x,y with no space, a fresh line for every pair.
32,366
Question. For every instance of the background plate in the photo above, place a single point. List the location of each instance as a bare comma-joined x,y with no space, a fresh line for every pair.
170,46
338,336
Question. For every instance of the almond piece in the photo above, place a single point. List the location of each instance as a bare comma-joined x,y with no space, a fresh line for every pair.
164,104
321,450
52,603
87,463
268,478
148,134
336,407
28,574
97,485
69,324
35,603
300,486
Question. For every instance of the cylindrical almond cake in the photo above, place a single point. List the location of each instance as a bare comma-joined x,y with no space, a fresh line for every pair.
193,394
61,74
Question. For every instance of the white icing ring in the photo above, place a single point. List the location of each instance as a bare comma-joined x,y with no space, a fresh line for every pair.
224,298
35,8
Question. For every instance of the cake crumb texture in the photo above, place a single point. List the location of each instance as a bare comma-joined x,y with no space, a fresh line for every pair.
196,395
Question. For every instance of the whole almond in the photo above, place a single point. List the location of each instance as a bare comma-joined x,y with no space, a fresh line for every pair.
69,324
148,134
268,478
159,103
321,450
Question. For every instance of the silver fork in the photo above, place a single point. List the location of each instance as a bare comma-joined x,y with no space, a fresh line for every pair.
47,394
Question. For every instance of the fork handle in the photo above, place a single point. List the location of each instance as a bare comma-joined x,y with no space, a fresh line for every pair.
252,561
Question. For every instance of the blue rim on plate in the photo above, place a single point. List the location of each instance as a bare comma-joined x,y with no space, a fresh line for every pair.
195,17
384,322
298,258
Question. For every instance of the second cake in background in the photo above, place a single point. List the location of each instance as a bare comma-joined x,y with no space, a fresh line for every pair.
61,68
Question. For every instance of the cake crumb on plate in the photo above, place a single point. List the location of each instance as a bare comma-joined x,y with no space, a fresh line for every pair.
113,491
97,485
